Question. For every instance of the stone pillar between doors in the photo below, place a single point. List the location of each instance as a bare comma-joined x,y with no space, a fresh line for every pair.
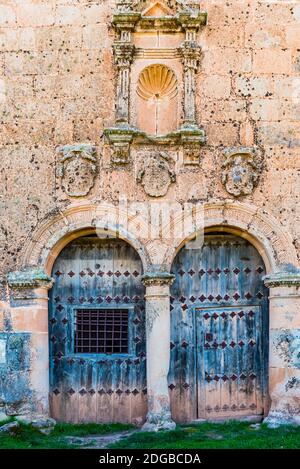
158,350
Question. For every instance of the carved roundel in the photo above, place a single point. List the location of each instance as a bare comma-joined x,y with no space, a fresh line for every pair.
157,81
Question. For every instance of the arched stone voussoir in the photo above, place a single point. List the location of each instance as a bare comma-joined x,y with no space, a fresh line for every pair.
256,225
80,220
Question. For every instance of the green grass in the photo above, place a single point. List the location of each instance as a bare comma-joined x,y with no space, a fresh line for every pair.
29,438
233,435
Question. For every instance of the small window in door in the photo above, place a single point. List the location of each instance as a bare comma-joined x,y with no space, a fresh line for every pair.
101,331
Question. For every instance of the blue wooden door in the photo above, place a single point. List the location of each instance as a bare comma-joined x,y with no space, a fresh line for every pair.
96,309
219,331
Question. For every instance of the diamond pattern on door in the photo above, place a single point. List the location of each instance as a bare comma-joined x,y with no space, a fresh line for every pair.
229,354
96,304
221,312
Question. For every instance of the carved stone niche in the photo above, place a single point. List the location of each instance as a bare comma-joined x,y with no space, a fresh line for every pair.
77,168
156,174
157,57
241,169
157,100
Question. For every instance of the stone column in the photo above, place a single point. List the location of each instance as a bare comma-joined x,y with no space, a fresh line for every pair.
29,321
123,51
190,54
284,348
124,21
158,350
192,135
121,134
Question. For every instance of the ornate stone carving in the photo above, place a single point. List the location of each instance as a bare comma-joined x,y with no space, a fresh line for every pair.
157,109
240,170
157,278
123,52
124,5
157,81
156,176
282,279
123,58
191,154
77,168
120,139
120,153
190,55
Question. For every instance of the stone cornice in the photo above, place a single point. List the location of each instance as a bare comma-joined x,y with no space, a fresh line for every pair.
157,278
184,20
186,134
188,20
282,279
29,278
126,19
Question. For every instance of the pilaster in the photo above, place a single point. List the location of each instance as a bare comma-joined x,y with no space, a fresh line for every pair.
284,358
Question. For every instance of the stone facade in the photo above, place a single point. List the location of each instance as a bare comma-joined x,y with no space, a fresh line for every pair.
83,123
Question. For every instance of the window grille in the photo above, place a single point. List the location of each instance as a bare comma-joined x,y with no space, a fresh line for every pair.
101,331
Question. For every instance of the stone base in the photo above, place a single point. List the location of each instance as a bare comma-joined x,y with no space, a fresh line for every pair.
277,418
157,422
42,423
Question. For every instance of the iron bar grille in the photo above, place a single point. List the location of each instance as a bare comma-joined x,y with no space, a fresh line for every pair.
101,331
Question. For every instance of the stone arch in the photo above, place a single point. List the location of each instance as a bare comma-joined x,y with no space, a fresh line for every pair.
261,229
78,220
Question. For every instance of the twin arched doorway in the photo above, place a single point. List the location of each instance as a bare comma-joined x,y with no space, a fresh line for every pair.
97,333
219,332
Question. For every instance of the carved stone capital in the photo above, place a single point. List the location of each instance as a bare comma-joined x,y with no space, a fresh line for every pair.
191,54
282,279
123,52
192,134
23,283
30,277
157,278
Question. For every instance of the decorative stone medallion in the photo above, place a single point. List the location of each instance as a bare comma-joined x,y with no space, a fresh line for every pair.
156,176
77,168
240,170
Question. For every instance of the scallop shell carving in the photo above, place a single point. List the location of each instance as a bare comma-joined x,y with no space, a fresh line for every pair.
157,81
